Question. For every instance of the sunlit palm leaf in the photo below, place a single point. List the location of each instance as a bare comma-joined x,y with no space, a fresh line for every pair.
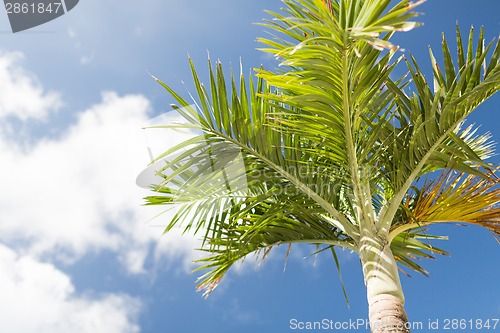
429,136
286,196
330,147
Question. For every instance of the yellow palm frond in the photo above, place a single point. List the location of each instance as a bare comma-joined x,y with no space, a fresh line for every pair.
454,198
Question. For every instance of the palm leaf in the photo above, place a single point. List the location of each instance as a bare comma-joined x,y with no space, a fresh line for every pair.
454,198
410,246
430,136
329,148
242,183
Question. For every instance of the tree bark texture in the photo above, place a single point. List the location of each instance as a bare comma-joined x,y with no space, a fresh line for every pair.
387,315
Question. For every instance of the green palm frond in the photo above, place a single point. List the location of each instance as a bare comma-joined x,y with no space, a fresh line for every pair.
329,148
415,245
429,135
338,72
264,150
258,226
246,186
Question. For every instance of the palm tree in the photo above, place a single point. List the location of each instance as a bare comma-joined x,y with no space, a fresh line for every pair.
334,149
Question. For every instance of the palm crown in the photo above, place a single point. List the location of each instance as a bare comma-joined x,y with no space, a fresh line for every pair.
333,148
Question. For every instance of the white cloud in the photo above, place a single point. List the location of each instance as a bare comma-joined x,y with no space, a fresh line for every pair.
64,197
69,192
86,59
22,96
37,297
67,196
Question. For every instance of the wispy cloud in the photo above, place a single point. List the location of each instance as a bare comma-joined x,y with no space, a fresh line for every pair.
85,59
22,96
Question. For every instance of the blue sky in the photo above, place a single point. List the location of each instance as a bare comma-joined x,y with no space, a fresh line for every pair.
77,251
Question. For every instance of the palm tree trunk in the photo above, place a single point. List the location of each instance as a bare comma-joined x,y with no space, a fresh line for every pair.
384,291
387,314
